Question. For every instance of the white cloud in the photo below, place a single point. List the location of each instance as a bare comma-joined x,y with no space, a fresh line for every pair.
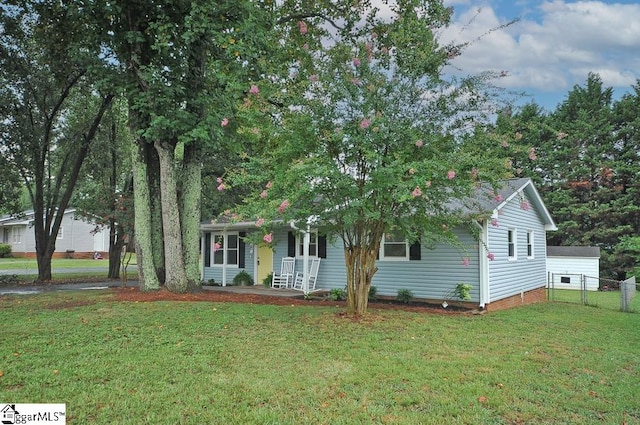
553,47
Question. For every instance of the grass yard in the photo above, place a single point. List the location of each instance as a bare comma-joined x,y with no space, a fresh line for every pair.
231,363
31,263
607,299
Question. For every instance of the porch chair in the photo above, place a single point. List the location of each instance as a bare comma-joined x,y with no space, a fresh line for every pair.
313,275
284,279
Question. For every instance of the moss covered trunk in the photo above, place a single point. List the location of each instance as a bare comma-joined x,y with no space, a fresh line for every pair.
175,275
191,195
148,279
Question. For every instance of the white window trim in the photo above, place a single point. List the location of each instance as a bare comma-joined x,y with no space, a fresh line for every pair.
381,256
16,235
60,234
531,243
299,242
225,235
514,233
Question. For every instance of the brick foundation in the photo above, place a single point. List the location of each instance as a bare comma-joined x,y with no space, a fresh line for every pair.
75,255
530,297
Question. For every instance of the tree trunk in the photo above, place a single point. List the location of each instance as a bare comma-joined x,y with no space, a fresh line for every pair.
191,195
116,242
175,278
361,266
148,280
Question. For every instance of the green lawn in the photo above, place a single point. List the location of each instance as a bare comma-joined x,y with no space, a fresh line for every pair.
31,264
205,363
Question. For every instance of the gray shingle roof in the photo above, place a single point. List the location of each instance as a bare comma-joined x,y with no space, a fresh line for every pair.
573,251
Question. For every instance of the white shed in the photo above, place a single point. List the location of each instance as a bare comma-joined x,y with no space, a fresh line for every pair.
566,266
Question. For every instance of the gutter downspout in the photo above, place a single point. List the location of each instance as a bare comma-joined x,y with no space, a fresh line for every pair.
483,263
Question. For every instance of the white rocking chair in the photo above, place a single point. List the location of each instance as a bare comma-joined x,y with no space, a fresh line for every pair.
313,275
284,279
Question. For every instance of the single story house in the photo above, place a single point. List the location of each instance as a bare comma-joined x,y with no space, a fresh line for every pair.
571,267
76,237
505,264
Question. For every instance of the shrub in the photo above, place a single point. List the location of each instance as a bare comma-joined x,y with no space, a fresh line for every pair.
267,281
5,250
373,293
463,291
243,278
337,294
209,282
404,295
9,279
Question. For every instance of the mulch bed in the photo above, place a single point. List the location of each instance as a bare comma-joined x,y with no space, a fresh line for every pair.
135,295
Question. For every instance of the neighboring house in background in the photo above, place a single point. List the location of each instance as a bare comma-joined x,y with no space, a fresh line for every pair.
505,264
76,237
569,266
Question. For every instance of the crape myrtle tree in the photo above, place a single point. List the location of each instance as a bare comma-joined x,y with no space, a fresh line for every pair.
54,91
374,141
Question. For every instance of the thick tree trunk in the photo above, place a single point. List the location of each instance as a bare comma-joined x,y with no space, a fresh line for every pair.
175,278
361,266
148,280
191,195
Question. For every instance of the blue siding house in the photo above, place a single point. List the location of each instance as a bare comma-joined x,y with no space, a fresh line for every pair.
505,265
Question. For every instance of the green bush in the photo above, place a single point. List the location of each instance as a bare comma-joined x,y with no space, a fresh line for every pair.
404,295
337,294
5,250
267,281
373,293
243,278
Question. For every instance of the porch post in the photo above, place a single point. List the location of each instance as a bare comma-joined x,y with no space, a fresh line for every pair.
224,258
305,260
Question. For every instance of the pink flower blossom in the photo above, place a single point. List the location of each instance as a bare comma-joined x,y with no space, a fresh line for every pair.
356,81
259,222
268,185
532,154
254,89
524,204
428,183
365,123
494,222
305,46
356,62
219,179
255,130
491,256
451,174
313,78
224,122
216,246
302,26
268,238
465,262
419,143
416,192
498,197
474,173
263,194
504,144
221,187
283,206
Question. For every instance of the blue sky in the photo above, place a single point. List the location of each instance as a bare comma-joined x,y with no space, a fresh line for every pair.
553,46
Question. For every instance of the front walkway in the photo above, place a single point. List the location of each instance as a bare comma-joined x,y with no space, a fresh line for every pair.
255,290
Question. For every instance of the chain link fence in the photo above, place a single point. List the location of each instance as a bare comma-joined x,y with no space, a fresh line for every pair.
594,291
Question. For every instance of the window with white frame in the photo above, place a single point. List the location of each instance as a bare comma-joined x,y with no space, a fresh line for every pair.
530,244
313,244
225,246
511,244
394,248
60,233
16,235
